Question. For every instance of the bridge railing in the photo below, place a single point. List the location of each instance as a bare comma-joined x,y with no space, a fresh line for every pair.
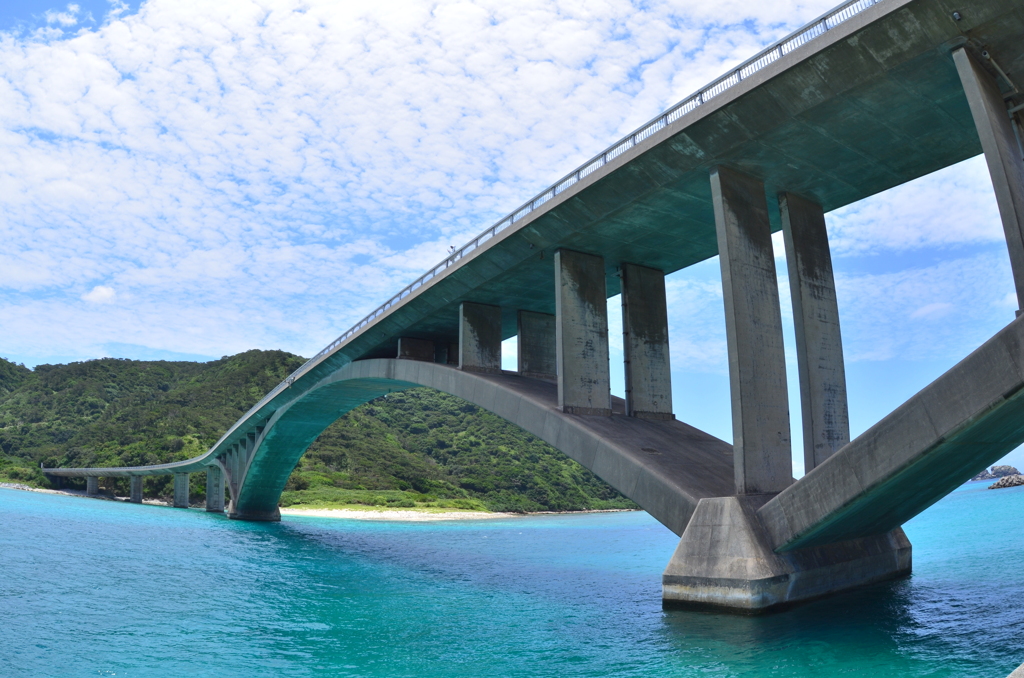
791,42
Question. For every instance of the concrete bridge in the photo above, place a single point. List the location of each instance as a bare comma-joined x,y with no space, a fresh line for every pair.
869,96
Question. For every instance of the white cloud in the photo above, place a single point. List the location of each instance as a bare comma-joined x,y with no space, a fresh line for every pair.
295,159
68,18
949,208
100,295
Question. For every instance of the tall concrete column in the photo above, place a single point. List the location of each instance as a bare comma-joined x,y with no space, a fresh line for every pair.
581,334
92,485
753,327
214,489
180,490
536,344
645,343
819,343
1002,153
135,495
479,337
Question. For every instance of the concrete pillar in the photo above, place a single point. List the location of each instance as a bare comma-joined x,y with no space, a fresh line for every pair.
645,343
238,459
479,337
92,485
1002,153
536,344
581,334
214,489
753,327
415,349
180,490
819,344
136,489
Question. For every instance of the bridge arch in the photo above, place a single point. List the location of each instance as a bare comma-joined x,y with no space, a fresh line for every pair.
664,466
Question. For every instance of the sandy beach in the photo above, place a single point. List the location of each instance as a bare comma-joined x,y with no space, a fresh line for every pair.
346,513
396,514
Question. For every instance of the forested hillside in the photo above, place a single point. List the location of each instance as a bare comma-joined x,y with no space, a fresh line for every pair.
412,448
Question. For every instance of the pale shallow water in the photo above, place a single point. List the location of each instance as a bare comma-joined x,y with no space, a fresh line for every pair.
94,588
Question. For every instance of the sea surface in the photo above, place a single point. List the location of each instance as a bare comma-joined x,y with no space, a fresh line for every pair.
97,588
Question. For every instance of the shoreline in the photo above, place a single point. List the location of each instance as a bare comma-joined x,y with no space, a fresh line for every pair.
369,513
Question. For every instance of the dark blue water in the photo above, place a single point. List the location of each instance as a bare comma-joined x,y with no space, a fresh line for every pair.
94,588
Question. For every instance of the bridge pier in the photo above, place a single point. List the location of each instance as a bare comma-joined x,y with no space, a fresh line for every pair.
819,344
415,349
92,485
479,337
725,560
753,327
536,345
181,490
645,343
214,489
135,495
581,334
1002,154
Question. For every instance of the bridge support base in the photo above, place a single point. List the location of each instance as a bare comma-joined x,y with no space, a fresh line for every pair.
135,495
261,517
725,561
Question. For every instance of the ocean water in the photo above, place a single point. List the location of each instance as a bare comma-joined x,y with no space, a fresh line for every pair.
94,588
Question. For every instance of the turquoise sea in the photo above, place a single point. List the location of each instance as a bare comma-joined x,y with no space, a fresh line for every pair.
95,588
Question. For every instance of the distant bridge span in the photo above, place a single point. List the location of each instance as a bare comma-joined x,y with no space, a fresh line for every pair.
869,96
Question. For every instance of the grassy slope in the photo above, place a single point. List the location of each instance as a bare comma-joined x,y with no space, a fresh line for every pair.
414,448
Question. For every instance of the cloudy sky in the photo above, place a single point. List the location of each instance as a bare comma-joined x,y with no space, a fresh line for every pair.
186,180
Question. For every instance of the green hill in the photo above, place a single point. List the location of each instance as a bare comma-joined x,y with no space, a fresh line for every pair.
413,448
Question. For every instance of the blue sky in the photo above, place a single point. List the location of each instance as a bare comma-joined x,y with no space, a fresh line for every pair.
187,180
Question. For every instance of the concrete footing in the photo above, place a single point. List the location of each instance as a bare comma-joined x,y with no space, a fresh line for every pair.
181,490
214,489
92,485
135,483
725,560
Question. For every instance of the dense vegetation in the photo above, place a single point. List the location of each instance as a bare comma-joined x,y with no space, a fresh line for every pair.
412,448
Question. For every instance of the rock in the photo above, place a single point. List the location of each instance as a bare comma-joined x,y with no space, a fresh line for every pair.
1007,481
996,472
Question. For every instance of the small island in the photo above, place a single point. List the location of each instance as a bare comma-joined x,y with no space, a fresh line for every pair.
1007,476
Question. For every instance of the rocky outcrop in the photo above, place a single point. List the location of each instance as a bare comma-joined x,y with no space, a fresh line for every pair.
997,472
1007,481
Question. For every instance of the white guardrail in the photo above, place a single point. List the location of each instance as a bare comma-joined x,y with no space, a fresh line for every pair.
785,46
